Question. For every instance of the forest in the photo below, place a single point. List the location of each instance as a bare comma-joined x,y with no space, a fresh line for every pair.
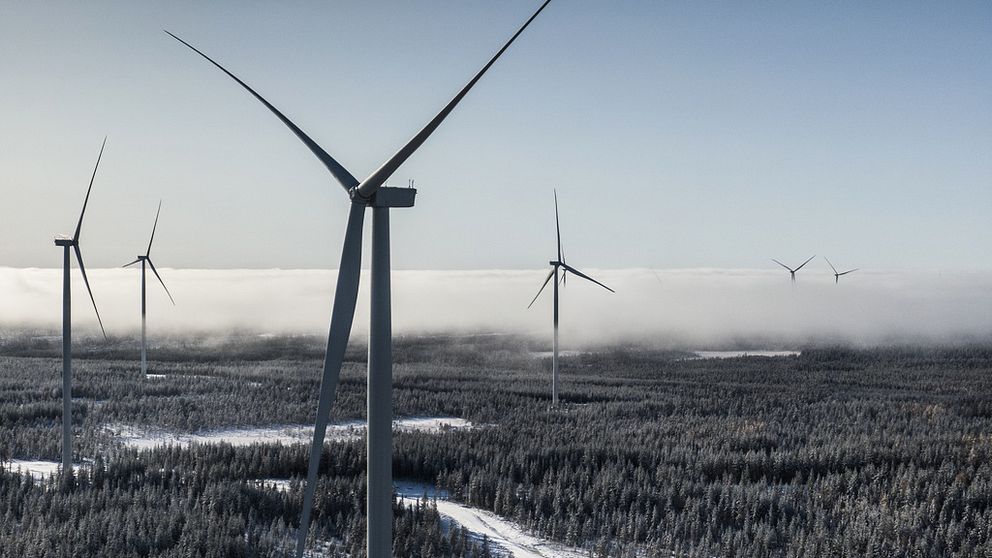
835,452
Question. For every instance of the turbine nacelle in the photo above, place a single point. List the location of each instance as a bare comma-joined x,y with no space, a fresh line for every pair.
64,241
387,196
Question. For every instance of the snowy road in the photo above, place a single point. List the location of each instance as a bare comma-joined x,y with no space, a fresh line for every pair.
501,532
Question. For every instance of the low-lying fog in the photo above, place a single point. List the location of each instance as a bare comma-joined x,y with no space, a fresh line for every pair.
700,308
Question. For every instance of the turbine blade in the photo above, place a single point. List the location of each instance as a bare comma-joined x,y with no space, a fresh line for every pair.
545,284
782,264
584,276
132,263
830,264
561,258
79,225
848,271
82,268
805,262
155,271
342,315
347,180
155,226
377,178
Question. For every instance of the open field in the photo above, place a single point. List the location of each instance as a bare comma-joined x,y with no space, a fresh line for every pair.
834,452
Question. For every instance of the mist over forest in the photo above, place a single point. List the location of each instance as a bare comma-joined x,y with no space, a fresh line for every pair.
691,308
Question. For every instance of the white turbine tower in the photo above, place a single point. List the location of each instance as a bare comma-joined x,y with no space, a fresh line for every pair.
72,243
560,262
792,272
836,274
364,194
146,258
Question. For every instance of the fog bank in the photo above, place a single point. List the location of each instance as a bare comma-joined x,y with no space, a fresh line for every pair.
691,307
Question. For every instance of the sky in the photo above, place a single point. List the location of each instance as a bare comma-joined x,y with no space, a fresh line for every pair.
678,134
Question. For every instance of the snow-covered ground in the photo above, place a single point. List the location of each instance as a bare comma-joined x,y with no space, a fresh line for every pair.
38,469
286,434
502,533
279,485
561,353
735,354
154,376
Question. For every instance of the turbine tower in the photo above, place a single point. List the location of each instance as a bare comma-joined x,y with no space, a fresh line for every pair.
792,272
71,243
146,258
368,193
565,269
837,275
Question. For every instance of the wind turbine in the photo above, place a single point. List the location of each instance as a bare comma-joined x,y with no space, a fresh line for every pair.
837,275
792,272
565,269
146,258
72,243
370,192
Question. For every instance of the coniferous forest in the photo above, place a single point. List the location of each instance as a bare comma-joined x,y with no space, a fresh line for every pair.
835,452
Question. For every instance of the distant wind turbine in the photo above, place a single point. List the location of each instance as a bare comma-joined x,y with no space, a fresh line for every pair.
792,272
67,243
143,259
836,274
370,192
560,262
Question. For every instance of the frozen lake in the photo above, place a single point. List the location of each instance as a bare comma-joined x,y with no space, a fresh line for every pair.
737,354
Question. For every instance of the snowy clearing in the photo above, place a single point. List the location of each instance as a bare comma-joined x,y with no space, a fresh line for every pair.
40,470
154,376
134,437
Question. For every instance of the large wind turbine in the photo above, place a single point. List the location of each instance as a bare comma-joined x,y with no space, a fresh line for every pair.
837,275
792,272
72,243
565,268
368,193
146,258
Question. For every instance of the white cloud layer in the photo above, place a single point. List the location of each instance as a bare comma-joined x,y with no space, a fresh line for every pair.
692,307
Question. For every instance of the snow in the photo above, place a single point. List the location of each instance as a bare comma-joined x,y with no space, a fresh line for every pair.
279,485
561,353
502,533
430,424
40,470
736,354
285,434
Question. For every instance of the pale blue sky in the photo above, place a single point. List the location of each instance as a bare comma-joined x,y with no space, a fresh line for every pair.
678,134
